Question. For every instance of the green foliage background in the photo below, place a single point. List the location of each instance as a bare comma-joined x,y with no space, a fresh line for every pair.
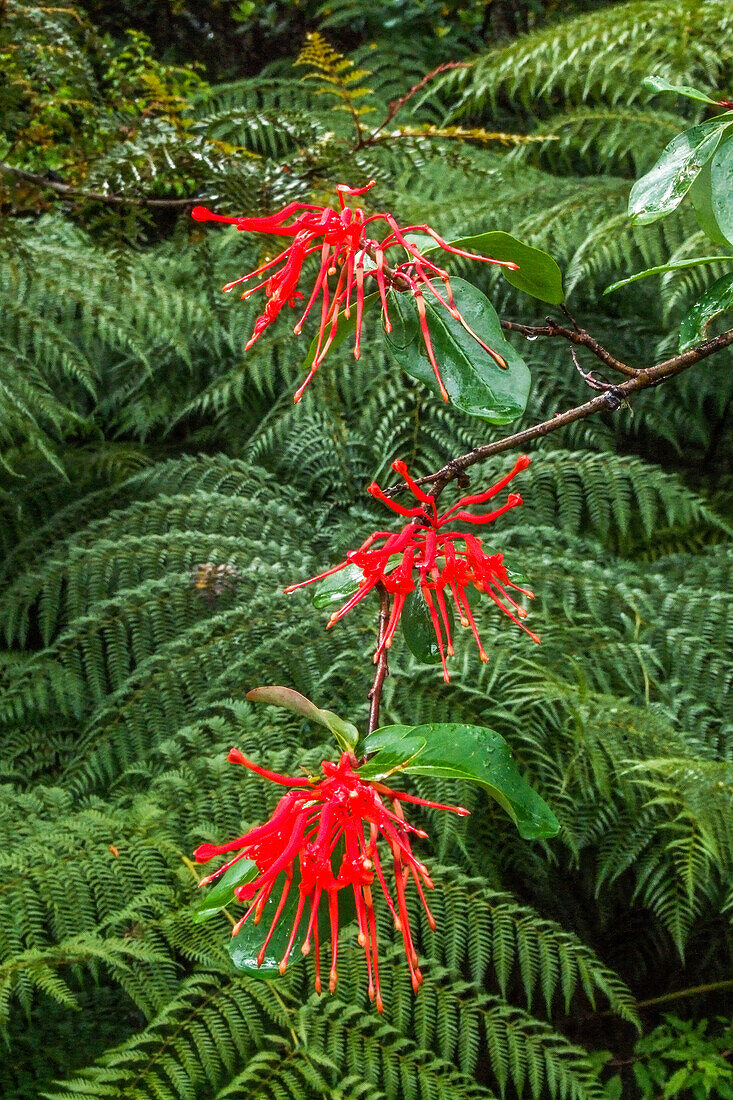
138,443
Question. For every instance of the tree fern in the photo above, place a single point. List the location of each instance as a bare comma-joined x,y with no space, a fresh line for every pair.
602,56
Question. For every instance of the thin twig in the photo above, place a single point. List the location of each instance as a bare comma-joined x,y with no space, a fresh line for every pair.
68,191
397,104
691,991
375,695
611,399
576,336
678,995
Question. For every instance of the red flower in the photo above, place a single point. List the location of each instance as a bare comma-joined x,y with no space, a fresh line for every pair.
341,238
308,824
438,559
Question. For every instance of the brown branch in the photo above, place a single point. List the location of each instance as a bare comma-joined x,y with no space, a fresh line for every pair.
611,399
375,695
68,191
397,104
575,336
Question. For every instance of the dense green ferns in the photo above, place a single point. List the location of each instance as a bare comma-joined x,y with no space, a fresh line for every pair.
140,446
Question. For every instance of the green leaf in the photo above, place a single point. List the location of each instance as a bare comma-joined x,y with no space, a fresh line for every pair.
338,587
475,383
394,757
345,733
721,180
538,274
516,576
717,299
417,627
701,196
663,188
472,753
346,325
245,946
678,265
221,893
659,84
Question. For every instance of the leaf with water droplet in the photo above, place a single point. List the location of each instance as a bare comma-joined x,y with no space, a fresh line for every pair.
221,895
339,587
663,188
659,84
476,384
473,753
717,299
701,196
721,180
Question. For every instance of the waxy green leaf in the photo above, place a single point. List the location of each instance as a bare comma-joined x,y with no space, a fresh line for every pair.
473,753
418,629
247,944
245,947
663,188
475,383
345,733
538,274
701,197
338,587
659,84
396,747
717,299
221,894
721,181
678,265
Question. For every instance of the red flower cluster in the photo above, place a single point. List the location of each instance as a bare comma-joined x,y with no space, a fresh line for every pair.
306,827
342,240
440,559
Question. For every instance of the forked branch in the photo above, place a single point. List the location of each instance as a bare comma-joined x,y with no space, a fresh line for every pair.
612,397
